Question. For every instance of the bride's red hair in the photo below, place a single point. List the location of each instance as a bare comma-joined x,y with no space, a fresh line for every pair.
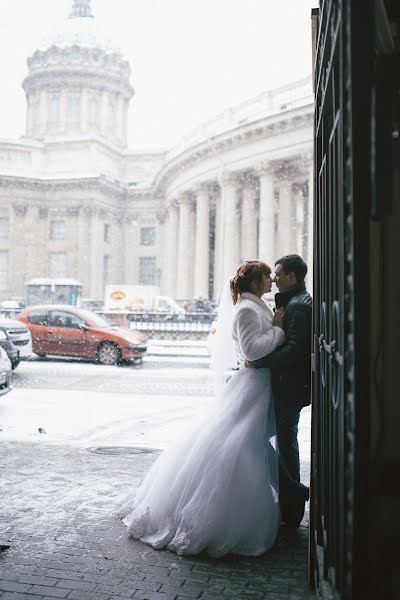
250,273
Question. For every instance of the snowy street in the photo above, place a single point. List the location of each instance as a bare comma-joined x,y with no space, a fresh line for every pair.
101,428
84,404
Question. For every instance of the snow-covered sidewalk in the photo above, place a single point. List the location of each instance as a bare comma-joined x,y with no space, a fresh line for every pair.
84,418
183,348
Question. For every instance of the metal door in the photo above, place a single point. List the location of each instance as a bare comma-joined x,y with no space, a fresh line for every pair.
339,429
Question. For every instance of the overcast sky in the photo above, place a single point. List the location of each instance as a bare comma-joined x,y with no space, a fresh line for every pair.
190,59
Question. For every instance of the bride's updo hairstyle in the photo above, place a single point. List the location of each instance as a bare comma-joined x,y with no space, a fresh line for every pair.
248,276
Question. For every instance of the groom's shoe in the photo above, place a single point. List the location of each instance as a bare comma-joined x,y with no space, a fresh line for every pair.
294,510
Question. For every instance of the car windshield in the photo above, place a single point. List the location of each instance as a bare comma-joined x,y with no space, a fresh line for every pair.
94,318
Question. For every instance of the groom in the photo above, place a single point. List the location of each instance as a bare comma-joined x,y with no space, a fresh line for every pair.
291,374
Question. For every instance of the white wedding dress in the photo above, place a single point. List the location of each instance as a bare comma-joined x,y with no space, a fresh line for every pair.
216,489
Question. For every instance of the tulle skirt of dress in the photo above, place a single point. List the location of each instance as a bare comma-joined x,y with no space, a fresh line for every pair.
216,489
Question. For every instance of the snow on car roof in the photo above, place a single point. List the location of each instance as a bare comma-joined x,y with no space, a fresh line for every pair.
49,281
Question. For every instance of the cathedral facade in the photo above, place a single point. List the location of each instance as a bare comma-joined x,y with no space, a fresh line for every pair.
76,202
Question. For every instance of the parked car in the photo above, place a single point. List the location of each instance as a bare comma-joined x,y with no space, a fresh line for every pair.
15,339
197,305
5,372
66,330
12,304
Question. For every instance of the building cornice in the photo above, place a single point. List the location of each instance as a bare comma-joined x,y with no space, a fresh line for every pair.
66,78
101,184
232,139
22,143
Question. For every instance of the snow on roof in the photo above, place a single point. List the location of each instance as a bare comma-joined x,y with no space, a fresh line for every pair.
50,281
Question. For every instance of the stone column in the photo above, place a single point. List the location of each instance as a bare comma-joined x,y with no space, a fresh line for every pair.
130,233
43,113
95,233
298,222
84,111
230,227
185,247
248,238
266,240
103,113
29,112
161,249
284,241
172,251
125,109
119,108
63,112
82,223
201,261
217,245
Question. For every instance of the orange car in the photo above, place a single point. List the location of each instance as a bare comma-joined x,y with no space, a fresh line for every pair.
71,331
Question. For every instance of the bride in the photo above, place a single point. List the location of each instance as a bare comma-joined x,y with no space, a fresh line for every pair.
216,489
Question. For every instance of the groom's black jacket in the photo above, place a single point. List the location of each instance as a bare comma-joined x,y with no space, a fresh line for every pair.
291,363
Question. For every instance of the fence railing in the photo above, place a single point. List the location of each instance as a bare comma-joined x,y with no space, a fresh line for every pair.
194,326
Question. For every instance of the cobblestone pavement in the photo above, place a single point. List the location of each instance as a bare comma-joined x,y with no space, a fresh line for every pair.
58,513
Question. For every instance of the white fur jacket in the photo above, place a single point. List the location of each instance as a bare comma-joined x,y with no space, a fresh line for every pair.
253,332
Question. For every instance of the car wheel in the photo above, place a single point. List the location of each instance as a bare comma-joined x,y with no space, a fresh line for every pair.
40,355
15,363
108,354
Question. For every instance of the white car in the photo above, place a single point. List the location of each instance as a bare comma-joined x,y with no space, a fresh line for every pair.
16,340
5,372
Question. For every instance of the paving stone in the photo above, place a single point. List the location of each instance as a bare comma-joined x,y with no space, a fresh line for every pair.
8,575
37,580
153,596
171,589
80,595
76,585
49,591
13,596
176,580
196,585
204,596
13,586
83,552
108,578
150,584
123,591
60,574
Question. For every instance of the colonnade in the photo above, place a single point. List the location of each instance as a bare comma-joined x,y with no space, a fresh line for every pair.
50,113
213,226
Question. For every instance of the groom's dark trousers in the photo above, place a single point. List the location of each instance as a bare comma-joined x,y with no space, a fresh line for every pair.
290,366
287,421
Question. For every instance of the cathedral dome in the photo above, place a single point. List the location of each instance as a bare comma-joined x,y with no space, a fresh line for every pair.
81,30
78,82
